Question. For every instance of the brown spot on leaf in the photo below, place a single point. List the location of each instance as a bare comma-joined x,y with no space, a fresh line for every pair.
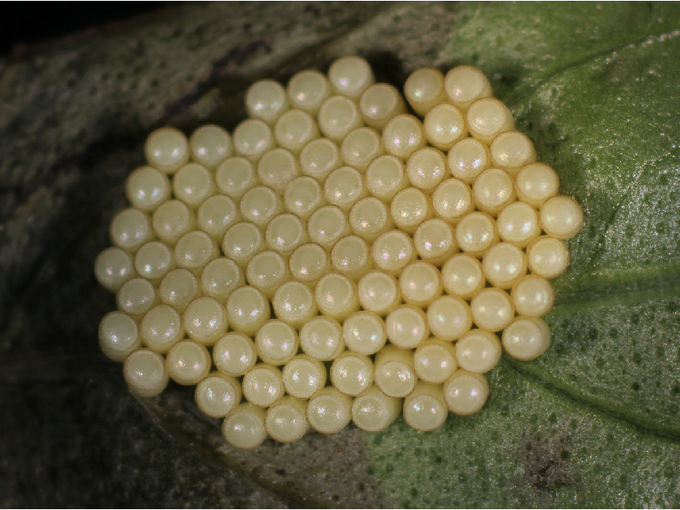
546,460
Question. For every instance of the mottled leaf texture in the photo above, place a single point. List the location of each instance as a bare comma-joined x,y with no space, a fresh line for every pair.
593,423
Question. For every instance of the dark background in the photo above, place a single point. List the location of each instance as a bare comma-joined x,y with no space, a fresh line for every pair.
33,22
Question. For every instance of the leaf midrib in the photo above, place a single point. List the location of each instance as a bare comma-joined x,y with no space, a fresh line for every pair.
567,392
662,284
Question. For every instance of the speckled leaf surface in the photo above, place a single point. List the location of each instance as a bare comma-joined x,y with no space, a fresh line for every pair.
595,422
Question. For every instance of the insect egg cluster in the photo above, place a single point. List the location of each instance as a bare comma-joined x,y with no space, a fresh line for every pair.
337,258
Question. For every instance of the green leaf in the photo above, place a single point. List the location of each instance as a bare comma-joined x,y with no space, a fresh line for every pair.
595,421
530,447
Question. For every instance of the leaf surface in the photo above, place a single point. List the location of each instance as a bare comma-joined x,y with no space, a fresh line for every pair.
595,421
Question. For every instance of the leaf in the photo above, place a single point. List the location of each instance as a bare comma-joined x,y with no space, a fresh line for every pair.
592,423
595,421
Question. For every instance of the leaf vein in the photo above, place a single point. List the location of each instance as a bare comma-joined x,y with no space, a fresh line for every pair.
580,399
536,81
